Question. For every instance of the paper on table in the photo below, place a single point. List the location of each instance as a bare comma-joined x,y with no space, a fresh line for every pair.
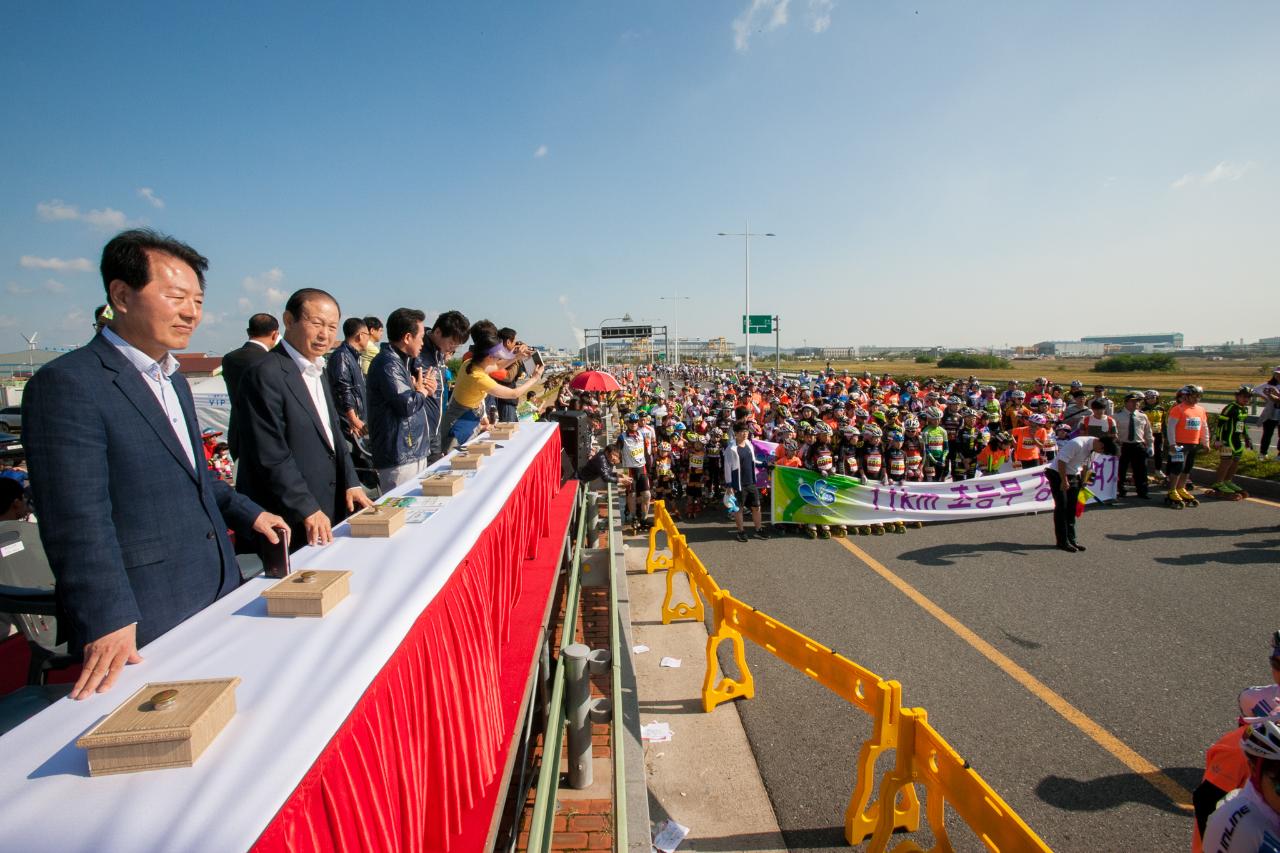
669,836
656,732
670,663
639,648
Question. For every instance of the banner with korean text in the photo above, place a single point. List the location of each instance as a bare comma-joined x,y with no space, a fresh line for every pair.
801,496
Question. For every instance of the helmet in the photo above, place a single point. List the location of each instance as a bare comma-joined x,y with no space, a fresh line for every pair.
664,447
895,435
1018,395
1259,701
932,413
1076,383
784,429
1263,740
871,431
680,427
1150,392
953,400
1192,389
1245,389
822,428
633,418
1038,420
911,422
791,445
969,412
1003,437
849,431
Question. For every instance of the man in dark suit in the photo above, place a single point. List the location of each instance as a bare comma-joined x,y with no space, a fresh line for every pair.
294,460
264,331
130,515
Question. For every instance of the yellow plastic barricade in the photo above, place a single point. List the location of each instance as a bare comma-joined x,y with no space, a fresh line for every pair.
725,610
860,687
924,757
680,567
661,523
920,753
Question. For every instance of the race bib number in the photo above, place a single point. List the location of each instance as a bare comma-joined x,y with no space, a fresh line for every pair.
1028,442
897,466
934,443
696,460
874,461
1240,426
1176,454
1193,424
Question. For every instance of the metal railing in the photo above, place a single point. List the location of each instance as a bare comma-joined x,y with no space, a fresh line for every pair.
566,716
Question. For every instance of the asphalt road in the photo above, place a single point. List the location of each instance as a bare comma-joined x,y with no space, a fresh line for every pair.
1151,633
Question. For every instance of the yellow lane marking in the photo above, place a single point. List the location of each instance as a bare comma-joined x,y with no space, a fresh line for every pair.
1263,501
1179,795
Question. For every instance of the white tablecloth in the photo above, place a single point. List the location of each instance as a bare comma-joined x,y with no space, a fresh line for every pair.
301,678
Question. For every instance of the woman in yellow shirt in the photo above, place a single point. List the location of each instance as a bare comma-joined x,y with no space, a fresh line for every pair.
465,413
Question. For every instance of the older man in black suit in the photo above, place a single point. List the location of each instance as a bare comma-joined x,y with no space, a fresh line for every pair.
293,459
264,331
133,521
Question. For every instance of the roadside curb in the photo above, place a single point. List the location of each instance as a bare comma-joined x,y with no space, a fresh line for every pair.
1255,487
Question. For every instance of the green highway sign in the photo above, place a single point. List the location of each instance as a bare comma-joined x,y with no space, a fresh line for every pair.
761,324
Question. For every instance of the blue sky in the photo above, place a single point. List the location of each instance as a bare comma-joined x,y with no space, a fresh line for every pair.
937,173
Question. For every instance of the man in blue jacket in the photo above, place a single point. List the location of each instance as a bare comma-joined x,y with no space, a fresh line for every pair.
399,387
133,521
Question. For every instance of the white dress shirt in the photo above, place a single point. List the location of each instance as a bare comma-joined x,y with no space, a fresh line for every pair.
1073,454
157,376
313,377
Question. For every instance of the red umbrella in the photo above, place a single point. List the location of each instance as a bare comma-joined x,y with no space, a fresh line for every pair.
594,380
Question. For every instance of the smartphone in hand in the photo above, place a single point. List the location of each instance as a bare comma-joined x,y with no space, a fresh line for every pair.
275,558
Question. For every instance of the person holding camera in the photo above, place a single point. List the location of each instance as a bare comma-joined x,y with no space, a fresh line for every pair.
465,413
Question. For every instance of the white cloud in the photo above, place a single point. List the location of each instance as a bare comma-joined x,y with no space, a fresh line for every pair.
54,286
7,322
263,292
57,210
15,289
73,265
150,195
820,15
1224,171
260,282
75,320
753,20
540,152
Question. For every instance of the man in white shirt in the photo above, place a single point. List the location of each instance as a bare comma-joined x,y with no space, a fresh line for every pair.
1064,475
294,460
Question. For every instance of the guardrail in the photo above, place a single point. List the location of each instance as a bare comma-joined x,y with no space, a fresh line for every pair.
558,721
922,756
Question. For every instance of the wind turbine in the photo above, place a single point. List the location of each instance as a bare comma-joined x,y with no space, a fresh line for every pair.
31,340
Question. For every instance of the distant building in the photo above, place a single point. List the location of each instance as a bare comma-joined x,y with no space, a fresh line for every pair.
1071,349
1159,341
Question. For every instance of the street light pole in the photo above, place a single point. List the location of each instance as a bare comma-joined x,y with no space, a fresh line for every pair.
746,236
675,323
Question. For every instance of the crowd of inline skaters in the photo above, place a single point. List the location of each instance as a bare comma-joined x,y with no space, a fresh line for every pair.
679,429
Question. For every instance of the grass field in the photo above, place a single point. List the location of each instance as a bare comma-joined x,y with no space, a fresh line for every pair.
1215,376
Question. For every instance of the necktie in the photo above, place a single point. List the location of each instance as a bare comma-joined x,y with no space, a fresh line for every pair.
1133,427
